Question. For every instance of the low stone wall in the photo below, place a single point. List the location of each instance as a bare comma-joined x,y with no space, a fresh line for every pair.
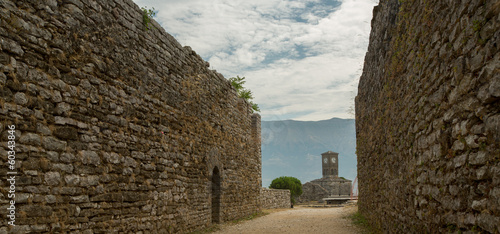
318,189
274,198
313,192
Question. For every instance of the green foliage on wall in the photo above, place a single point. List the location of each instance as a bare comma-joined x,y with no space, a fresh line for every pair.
237,82
147,15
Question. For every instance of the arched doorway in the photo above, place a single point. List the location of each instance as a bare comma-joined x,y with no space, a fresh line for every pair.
216,195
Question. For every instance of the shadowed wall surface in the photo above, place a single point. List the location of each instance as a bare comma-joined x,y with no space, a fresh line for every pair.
428,117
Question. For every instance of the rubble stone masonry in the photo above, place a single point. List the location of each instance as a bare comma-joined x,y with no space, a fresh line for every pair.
275,198
117,128
428,117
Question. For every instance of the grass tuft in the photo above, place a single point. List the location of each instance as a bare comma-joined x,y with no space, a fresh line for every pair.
250,217
362,223
218,227
210,229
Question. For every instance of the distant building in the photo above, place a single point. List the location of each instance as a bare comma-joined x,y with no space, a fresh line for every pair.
331,187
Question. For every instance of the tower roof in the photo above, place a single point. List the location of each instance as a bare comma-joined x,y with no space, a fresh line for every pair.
330,152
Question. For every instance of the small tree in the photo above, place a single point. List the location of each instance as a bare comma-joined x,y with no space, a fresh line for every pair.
288,182
237,82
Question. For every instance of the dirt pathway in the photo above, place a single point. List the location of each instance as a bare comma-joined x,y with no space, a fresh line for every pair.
298,220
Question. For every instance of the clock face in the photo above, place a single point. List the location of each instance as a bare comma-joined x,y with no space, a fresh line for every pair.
333,160
325,160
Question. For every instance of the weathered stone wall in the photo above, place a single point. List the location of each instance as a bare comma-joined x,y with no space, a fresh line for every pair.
274,198
313,192
336,186
318,189
117,128
428,117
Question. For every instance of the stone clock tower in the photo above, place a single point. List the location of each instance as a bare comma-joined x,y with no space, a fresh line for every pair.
331,188
330,162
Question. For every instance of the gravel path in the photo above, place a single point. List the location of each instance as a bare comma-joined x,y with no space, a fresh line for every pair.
298,220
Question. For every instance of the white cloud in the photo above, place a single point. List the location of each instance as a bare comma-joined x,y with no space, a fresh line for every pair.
302,59
277,161
314,158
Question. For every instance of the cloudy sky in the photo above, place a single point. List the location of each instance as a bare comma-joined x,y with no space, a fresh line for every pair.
301,58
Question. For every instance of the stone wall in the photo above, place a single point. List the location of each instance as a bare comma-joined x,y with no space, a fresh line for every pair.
336,186
428,117
318,189
313,192
274,198
117,128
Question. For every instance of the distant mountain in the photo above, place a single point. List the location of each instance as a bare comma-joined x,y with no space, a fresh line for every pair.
294,148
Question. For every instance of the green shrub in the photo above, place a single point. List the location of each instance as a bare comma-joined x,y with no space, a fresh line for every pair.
288,182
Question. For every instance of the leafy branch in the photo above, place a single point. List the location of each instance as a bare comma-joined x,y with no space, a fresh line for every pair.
237,82
147,15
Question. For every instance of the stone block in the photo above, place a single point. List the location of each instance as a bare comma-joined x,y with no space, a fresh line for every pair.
113,157
479,205
30,139
57,98
68,168
70,79
4,59
67,158
63,108
39,228
460,160
66,133
90,157
91,180
52,178
108,197
23,197
480,158
79,199
20,98
53,144
44,130
72,180
129,162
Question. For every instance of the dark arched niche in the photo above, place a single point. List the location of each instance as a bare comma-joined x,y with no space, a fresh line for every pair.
216,190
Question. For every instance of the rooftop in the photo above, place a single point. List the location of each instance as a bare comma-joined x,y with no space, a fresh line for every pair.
330,152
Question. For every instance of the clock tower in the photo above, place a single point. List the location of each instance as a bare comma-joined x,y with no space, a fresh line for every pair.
330,162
